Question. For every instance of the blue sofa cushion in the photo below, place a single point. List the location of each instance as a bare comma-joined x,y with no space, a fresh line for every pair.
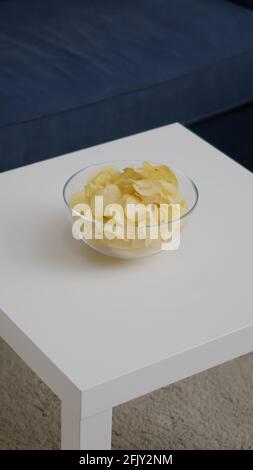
81,72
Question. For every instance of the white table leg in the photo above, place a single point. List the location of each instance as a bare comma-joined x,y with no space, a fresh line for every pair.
96,431
90,433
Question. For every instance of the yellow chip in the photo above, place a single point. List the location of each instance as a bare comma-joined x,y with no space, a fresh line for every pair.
147,187
77,198
168,188
111,194
160,172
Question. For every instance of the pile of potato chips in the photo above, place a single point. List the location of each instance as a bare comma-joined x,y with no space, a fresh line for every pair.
147,185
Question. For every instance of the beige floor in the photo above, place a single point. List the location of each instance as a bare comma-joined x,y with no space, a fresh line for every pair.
212,410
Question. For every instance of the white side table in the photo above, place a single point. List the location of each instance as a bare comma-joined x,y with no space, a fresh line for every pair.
101,331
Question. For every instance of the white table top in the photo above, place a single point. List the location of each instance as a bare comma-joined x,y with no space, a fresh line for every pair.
97,318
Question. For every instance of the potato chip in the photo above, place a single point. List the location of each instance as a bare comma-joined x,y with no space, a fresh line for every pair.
99,180
169,188
111,194
125,180
147,187
161,172
77,198
103,177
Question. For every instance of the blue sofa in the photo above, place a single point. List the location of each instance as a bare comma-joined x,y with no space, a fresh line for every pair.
75,73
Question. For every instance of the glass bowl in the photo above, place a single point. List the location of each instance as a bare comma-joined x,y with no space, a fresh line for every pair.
126,249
